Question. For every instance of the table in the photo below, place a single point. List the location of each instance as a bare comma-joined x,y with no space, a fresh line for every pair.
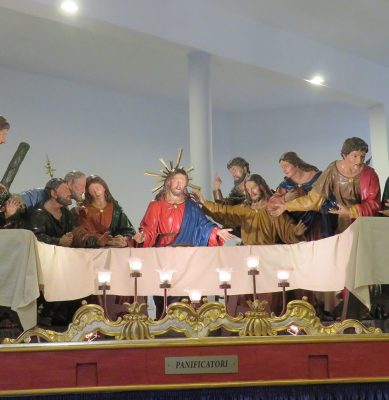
20,274
354,259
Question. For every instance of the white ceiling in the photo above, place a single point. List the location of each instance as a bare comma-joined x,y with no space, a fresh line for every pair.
118,59
359,27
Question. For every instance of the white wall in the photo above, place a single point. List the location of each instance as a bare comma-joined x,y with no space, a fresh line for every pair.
316,133
94,130
210,27
119,136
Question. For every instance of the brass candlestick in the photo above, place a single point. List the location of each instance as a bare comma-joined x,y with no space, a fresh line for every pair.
165,285
104,287
284,284
135,275
254,272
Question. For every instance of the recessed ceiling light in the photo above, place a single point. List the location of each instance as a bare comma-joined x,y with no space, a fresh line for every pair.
69,6
316,80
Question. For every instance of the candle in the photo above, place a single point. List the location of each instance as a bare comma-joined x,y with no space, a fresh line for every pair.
165,275
135,263
104,276
252,262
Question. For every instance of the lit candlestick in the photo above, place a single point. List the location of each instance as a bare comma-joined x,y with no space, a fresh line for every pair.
165,276
283,277
194,295
135,267
225,279
135,264
104,278
252,262
224,275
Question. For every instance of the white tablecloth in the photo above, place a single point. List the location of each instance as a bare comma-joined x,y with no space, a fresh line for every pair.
19,274
354,259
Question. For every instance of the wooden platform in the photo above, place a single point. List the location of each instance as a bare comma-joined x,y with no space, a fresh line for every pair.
140,365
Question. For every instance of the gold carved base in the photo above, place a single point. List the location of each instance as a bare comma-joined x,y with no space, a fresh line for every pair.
194,323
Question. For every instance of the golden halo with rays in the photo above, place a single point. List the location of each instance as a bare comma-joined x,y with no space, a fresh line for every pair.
167,170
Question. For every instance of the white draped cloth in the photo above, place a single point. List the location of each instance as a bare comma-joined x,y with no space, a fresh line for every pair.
355,259
20,274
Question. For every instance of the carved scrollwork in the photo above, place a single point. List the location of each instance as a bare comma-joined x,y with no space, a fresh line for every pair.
302,314
257,321
181,317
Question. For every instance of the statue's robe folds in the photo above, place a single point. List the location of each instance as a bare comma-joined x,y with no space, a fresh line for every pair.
185,224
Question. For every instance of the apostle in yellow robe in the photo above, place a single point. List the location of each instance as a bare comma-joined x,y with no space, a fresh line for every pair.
257,225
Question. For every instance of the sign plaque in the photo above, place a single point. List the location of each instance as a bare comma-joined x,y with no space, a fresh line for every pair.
201,365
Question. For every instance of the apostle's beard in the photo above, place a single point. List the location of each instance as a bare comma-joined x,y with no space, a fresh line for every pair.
177,192
63,201
239,179
79,197
255,198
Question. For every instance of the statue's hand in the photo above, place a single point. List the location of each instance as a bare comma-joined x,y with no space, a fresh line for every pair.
118,241
277,210
139,237
12,206
291,195
225,234
341,210
384,212
103,240
217,183
66,240
300,228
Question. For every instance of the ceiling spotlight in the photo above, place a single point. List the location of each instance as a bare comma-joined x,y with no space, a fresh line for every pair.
316,80
69,6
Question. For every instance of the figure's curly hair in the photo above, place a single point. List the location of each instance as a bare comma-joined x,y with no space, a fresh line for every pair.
239,162
292,158
354,144
73,176
4,124
266,191
97,179
52,184
162,193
